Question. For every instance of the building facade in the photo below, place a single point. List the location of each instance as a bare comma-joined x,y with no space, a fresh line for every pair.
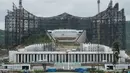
87,53
20,24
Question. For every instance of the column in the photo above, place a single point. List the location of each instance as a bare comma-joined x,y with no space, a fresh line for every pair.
112,58
71,58
93,57
24,58
74,57
62,57
52,57
78,57
30,58
27,58
49,57
37,58
81,58
87,58
100,59
55,58
90,58
43,55
106,58
84,58
33,57
21,58
97,58
59,57
46,58
40,57
68,57
65,57
18,58
103,56
109,57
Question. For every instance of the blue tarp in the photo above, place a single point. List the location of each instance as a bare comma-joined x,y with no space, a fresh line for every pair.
81,70
51,70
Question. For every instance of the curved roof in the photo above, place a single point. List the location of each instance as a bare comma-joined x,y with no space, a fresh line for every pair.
65,16
38,48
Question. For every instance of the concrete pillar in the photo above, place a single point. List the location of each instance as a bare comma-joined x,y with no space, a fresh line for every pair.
93,57
46,58
106,58
21,58
68,57
24,58
33,57
65,57
52,57
84,58
68,61
81,55
30,57
100,59
49,57
74,57
37,58
109,57
97,58
40,57
43,56
55,58
62,57
71,58
27,58
103,56
59,57
78,57
112,58
87,58
90,57
17,58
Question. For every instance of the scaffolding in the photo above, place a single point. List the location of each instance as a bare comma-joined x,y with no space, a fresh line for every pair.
20,24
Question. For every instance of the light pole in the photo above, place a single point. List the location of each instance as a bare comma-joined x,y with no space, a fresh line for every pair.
98,30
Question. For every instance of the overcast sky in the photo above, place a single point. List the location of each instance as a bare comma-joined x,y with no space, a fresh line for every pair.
83,8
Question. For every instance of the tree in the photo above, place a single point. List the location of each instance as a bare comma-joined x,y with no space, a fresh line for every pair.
116,52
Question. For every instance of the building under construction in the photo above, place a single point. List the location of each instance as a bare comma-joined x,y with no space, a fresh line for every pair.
20,24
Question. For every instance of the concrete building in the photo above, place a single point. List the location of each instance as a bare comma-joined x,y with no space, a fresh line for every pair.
88,53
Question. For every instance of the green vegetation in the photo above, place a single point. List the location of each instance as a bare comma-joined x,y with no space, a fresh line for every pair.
38,71
35,39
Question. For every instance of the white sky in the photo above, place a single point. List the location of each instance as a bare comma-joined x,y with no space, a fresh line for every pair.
83,8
